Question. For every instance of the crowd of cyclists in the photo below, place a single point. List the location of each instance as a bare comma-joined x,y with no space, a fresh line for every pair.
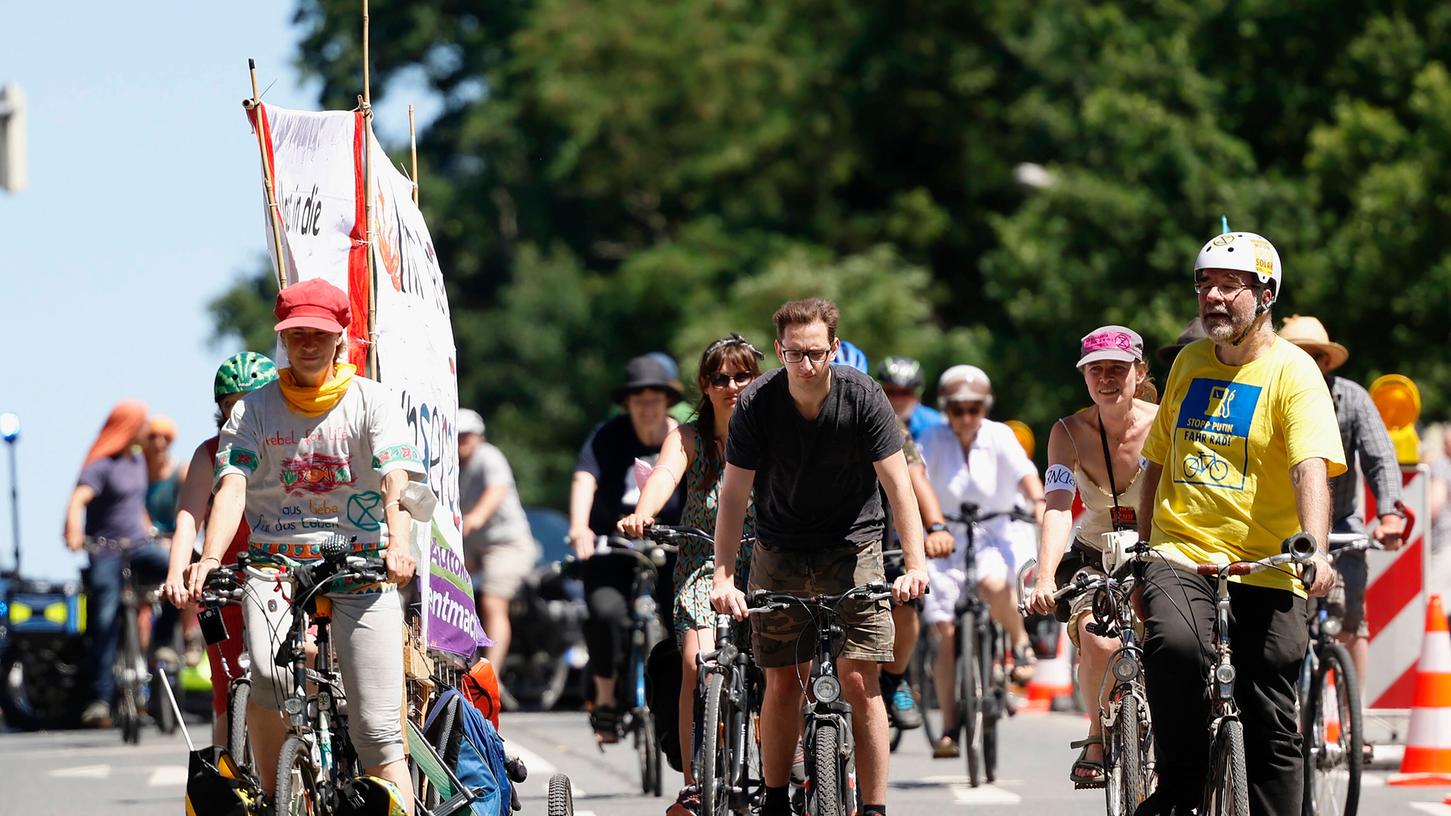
816,478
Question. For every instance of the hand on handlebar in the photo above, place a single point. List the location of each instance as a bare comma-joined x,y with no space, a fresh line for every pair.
634,525
727,599
1041,600
1324,575
1390,533
939,544
909,585
175,591
196,576
582,540
401,565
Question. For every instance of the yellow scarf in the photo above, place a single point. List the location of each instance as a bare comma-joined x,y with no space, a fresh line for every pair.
310,401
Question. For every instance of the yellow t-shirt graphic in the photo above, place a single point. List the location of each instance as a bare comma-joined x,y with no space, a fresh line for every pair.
1227,437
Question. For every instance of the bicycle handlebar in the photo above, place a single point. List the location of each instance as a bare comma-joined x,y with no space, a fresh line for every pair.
969,514
765,600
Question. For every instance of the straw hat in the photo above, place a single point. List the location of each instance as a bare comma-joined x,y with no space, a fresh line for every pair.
1310,335
1193,331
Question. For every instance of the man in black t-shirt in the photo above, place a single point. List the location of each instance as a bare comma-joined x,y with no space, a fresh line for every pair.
815,442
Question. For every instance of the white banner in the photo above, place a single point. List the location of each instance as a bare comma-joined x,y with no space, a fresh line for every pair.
318,180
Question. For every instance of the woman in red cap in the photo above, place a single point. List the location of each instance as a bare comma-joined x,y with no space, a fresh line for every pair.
321,455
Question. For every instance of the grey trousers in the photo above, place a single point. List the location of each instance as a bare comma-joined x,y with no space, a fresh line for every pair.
367,637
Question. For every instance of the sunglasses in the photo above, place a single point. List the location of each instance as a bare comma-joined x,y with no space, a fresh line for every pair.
965,409
720,379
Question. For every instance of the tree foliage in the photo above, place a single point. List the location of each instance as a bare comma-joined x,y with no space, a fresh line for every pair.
607,177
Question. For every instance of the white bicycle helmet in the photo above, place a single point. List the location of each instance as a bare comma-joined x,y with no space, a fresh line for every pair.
1243,252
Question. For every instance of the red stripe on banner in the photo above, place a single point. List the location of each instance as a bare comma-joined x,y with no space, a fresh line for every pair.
1400,693
1399,585
358,258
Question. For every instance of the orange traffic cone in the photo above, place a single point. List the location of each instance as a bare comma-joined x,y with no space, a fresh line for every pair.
1332,708
1053,677
1428,744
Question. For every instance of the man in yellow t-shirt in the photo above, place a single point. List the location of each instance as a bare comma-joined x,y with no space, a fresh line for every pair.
1239,458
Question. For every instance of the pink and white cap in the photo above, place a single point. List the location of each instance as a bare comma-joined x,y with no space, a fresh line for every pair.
1118,343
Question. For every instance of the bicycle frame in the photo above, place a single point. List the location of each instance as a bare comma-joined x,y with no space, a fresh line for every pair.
734,663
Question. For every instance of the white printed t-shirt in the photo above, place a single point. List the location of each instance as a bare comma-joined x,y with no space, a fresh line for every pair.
312,478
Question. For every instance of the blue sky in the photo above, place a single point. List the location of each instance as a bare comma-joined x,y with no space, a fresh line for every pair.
144,202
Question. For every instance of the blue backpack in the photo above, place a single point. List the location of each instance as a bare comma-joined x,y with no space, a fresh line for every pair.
469,744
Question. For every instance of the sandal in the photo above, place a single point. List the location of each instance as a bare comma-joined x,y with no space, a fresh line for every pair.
1094,780
687,803
605,721
1025,665
946,748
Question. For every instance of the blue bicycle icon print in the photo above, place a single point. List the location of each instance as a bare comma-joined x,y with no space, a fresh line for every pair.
1207,463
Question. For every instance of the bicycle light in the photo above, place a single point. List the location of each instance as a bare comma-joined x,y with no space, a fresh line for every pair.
1125,669
644,606
292,705
1224,673
657,556
826,689
1331,626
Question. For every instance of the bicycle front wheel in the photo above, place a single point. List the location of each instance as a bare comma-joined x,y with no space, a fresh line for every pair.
969,695
1331,736
712,771
1227,790
923,685
1125,762
560,801
992,695
238,745
826,784
296,777
648,750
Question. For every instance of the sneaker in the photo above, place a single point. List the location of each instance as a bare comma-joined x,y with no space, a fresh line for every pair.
96,715
902,708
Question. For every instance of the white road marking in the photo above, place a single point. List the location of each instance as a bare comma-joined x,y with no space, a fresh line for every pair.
83,772
541,768
984,795
167,775
1432,808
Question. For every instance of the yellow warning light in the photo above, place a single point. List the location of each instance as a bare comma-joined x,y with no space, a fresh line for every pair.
1024,435
1398,400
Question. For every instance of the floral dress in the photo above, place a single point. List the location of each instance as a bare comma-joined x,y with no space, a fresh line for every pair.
695,564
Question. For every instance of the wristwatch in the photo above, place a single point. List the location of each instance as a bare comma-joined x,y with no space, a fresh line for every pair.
936,527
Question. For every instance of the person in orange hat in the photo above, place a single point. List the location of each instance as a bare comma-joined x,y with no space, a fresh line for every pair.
1365,439
108,507
164,475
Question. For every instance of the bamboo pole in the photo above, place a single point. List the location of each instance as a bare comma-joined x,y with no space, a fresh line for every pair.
413,151
367,107
273,213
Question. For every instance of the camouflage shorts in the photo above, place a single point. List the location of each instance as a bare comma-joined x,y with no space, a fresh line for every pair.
788,637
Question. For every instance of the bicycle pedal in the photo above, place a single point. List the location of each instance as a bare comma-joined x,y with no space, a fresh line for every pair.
1089,785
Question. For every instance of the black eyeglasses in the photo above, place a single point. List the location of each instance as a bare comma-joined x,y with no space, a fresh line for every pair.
720,379
816,356
962,409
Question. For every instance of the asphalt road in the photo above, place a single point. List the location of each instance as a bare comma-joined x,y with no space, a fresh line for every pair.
88,772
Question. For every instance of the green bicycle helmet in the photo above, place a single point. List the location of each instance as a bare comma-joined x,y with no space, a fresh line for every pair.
241,373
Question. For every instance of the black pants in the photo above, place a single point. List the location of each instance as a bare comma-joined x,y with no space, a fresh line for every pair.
609,587
1268,637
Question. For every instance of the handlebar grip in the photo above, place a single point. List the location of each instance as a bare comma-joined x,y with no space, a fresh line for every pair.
1206,569
1307,575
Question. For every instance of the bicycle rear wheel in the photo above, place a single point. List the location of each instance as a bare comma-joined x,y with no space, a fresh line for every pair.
1331,735
713,769
1227,789
969,695
295,794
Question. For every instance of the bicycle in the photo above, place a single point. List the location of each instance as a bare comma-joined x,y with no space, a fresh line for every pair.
636,719
1226,790
1128,739
919,677
830,788
225,586
728,757
982,684
136,685
317,767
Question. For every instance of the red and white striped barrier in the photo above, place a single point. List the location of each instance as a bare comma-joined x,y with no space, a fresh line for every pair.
1395,601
